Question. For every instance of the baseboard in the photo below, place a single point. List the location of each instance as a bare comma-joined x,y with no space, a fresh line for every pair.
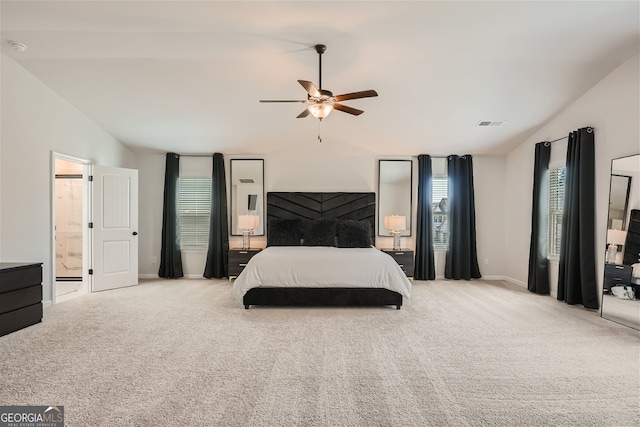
155,276
47,303
506,279
515,281
494,278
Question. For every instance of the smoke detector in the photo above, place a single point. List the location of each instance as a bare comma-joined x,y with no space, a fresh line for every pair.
18,47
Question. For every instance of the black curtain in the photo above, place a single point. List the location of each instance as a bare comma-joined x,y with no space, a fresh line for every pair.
218,253
462,255
170,256
538,281
424,264
577,275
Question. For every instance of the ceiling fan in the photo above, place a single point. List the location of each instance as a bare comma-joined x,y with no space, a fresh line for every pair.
322,102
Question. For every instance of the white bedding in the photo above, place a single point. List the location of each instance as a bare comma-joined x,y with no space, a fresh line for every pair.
322,267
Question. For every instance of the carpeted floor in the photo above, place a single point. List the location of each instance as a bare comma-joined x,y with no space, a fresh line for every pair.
185,353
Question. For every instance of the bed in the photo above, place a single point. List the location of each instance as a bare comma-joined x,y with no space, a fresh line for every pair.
319,253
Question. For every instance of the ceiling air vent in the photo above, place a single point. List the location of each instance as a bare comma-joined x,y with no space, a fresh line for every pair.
246,180
490,124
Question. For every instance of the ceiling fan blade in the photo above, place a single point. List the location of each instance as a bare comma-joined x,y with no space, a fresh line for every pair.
346,109
305,113
280,100
356,95
310,88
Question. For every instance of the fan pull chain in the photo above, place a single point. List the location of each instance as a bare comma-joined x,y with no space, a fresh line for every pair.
319,138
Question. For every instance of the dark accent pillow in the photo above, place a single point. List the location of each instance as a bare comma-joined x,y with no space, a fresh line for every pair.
321,232
284,232
354,234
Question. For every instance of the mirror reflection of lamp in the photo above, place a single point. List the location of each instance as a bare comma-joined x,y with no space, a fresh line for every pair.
247,223
614,238
395,223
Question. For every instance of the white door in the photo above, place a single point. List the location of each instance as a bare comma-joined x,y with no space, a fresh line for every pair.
114,211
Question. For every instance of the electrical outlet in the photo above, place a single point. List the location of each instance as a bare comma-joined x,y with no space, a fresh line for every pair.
486,261
154,260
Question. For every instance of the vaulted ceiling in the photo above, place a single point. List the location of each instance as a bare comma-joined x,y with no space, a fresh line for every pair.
186,76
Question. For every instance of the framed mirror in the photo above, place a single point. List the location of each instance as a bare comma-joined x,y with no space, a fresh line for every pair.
247,195
621,284
394,196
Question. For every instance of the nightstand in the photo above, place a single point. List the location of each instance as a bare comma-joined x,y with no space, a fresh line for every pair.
404,258
616,275
238,259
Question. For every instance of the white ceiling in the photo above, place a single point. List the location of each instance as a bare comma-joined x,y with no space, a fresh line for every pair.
186,76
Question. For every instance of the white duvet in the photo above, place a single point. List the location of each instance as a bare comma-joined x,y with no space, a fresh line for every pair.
322,267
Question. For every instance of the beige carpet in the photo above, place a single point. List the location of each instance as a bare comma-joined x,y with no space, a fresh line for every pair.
185,353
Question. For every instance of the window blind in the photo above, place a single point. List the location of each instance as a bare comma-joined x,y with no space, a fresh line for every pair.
439,199
194,212
556,207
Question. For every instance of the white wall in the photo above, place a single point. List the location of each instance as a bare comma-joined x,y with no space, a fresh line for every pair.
35,122
488,176
150,200
324,167
612,108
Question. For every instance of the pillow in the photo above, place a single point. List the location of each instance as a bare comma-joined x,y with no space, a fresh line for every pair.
284,232
321,232
354,234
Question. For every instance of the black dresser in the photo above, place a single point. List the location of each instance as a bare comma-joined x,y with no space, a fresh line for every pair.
20,295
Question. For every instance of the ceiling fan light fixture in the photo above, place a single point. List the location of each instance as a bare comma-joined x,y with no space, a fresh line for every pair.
320,110
322,102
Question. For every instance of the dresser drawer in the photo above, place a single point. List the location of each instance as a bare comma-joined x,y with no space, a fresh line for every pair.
13,300
21,318
20,277
615,275
238,259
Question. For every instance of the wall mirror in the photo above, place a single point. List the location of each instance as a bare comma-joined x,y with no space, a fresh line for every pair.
621,284
247,195
394,193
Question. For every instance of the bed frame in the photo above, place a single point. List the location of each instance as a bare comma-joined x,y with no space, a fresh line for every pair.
322,297
306,205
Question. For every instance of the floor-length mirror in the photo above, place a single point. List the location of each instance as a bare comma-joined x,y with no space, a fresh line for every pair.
247,196
621,285
394,197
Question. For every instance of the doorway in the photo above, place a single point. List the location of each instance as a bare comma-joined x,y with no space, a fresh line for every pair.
69,232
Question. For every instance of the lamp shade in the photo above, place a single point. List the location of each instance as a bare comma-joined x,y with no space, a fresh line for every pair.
395,222
616,237
248,222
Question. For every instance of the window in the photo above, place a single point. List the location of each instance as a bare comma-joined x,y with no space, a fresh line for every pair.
194,211
556,205
439,203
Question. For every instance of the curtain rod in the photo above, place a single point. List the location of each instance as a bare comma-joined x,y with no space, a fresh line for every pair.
195,155
415,156
556,140
589,130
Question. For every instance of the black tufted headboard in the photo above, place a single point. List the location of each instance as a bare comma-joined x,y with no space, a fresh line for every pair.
309,205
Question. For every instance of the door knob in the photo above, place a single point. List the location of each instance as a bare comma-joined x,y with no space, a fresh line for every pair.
135,233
